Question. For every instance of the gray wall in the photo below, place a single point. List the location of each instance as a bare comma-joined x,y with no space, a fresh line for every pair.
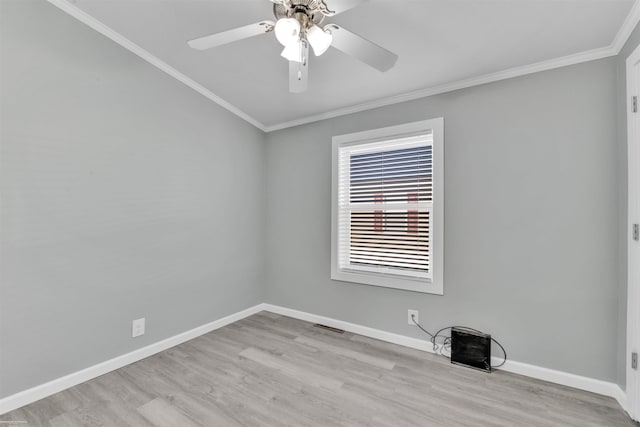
531,218
124,194
623,224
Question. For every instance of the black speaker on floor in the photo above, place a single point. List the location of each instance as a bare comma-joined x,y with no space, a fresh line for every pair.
472,349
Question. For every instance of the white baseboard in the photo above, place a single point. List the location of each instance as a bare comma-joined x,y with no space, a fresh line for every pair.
621,397
39,392
31,395
558,377
402,340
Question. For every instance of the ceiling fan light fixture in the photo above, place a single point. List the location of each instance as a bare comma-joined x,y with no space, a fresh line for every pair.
319,39
293,51
298,27
287,31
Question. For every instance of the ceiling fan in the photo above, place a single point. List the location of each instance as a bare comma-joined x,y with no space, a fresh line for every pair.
299,24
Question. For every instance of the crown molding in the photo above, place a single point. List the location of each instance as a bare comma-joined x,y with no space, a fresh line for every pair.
564,61
98,26
629,24
623,34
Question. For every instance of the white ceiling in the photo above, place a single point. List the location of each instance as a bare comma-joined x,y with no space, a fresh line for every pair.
439,42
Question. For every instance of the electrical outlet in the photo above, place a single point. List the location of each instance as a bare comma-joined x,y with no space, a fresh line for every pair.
137,328
416,317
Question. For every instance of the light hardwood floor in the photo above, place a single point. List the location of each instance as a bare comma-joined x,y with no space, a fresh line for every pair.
270,370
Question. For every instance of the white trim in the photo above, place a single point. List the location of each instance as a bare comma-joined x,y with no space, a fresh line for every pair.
604,388
558,377
403,340
432,284
621,397
633,247
89,20
623,34
613,49
629,24
449,87
31,395
39,392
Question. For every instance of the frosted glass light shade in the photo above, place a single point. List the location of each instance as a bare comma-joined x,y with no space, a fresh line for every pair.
319,39
287,31
293,51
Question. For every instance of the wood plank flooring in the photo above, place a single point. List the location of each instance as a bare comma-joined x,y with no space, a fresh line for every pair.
271,370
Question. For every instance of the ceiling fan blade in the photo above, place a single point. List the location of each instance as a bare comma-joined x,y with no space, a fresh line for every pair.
334,7
229,36
362,49
299,72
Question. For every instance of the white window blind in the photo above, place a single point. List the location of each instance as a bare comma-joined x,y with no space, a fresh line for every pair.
387,209
385,201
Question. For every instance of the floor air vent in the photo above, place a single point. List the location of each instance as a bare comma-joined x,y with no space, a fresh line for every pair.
329,328
471,349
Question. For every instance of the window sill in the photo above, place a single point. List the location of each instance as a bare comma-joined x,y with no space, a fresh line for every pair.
388,281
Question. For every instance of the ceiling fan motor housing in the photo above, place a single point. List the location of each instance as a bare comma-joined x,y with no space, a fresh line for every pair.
306,12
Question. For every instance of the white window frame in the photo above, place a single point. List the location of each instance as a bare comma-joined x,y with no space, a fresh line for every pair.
433,284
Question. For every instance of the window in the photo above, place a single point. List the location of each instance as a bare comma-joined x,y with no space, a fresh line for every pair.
387,207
